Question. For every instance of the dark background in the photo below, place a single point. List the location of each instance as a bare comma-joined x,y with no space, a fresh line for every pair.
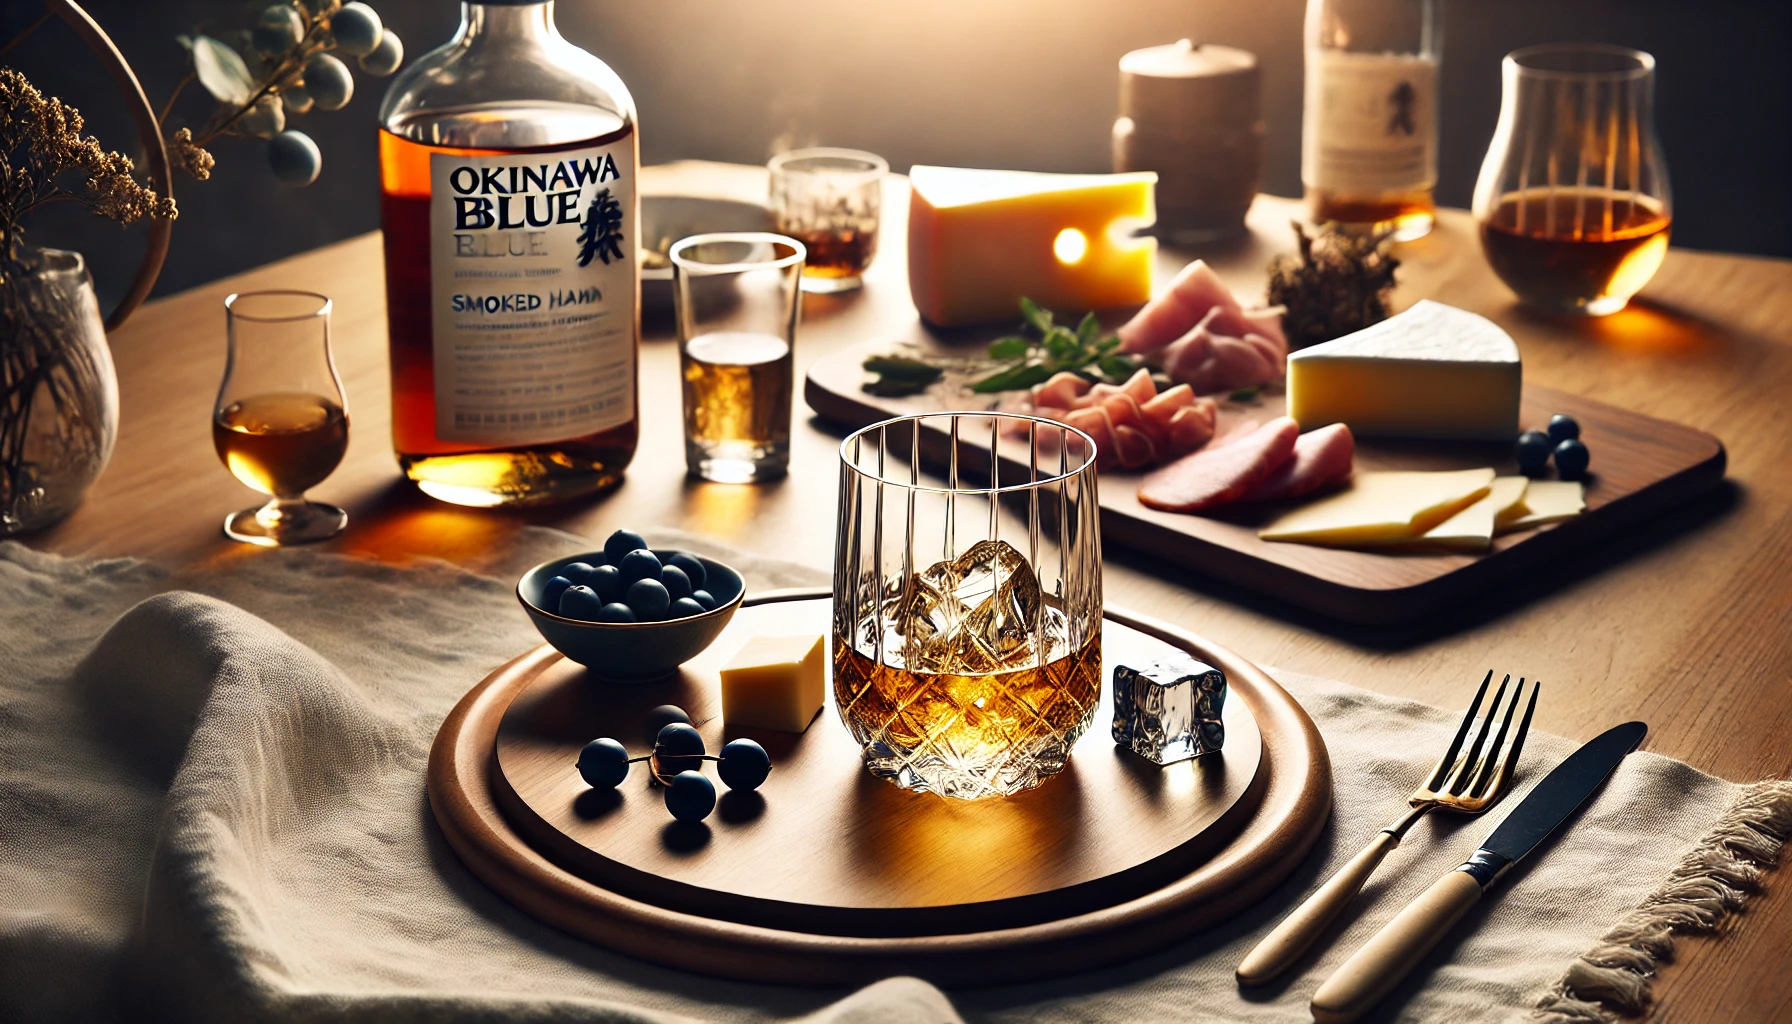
993,83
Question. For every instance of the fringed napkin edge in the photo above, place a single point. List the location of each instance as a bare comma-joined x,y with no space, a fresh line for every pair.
1712,881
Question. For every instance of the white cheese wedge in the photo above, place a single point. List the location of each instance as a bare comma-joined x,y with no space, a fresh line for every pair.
978,240
1545,501
775,682
1382,507
1472,529
1434,371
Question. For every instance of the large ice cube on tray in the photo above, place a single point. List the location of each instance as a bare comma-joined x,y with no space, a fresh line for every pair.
1168,710
979,613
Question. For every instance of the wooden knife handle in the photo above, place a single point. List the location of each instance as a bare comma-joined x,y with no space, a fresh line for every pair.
1373,971
1281,947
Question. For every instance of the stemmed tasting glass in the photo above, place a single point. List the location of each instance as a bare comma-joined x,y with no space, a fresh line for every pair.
967,612
279,424
1573,197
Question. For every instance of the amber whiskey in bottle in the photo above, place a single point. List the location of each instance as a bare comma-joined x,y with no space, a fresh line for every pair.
1369,127
508,203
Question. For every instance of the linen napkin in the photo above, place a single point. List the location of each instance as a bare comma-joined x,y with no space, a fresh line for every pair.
215,811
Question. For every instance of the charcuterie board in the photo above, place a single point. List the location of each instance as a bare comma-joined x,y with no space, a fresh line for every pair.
827,875
1642,467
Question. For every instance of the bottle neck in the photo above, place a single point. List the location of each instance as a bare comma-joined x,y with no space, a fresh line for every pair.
514,23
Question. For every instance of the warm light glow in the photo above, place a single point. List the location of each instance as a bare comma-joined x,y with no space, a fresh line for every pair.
1070,246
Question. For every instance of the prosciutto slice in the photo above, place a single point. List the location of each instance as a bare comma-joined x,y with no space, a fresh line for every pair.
1202,337
1322,458
1218,476
1133,424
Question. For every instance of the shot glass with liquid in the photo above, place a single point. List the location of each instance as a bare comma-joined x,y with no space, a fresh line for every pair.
830,200
738,301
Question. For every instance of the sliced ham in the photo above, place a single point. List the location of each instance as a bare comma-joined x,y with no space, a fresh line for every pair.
1322,458
1217,476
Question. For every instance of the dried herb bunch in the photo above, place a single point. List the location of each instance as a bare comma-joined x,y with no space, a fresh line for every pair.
45,159
1337,284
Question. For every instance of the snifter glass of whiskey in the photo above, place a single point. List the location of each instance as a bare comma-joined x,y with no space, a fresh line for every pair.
830,200
279,423
737,301
967,610
1573,196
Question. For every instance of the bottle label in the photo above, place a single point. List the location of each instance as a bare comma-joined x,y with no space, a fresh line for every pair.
1371,122
532,293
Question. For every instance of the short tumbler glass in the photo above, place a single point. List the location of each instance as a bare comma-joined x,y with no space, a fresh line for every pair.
738,304
830,200
967,616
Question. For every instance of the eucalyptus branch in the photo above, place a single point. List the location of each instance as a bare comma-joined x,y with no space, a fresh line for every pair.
168,108
23,33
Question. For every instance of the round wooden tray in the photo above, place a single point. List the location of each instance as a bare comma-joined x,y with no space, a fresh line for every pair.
829,876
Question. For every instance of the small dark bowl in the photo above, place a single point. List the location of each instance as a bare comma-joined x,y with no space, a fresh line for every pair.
632,652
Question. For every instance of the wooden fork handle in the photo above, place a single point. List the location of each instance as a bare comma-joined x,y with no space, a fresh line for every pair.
1282,947
1374,970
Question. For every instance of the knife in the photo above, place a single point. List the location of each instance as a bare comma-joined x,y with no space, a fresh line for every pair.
1373,971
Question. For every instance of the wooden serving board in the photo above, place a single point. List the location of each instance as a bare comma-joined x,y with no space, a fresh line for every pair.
830,876
1641,466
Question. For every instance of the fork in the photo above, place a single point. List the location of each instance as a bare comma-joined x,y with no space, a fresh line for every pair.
1467,783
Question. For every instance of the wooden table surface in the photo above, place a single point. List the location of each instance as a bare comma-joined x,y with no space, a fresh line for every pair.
1687,624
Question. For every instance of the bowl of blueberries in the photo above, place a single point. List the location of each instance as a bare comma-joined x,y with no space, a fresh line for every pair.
630,613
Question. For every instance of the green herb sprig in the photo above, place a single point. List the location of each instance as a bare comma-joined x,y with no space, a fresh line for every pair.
1033,361
899,376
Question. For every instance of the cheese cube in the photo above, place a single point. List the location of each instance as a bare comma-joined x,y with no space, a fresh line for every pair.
775,682
1434,371
980,240
1382,507
1545,501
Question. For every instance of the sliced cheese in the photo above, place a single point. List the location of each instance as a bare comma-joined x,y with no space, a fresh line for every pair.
775,682
1379,507
1434,371
980,240
1545,501
1472,529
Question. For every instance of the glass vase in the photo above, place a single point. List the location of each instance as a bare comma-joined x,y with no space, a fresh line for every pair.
59,417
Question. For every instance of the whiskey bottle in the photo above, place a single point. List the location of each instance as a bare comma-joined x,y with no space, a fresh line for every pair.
1369,129
507,179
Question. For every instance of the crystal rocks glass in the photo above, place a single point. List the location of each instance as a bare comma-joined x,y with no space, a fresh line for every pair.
830,200
967,612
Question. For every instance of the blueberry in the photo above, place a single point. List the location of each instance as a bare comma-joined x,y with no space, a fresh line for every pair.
691,566
551,591
1532,451
684,608
662,716
385,57
1563,427
649,600
278,29
581,603
294,158
295,99
677,583
608,582
328,81
744,764
1572,458
621,543
357,29
616,611
702,597
603,763
691,796
640,565
677,748
578,572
